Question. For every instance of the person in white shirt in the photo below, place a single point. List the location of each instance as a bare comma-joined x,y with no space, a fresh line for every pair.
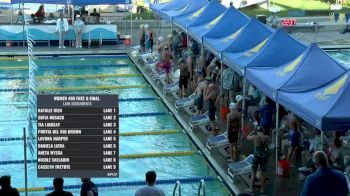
78,26
61,28
150,188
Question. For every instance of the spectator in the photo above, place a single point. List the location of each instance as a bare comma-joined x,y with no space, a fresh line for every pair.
78,26
51,17
294,132
95,17
6,189
148,38
315,145
261,142
228,83
40,14
20,18
150,189
176,44
161,44
231,4
337,155
273,20
142,35
233,128
325,181
58,186
266,115
139,8
88,188
183,40
61,28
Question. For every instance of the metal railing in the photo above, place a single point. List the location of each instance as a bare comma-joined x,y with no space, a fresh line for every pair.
302,36
201,188
177,187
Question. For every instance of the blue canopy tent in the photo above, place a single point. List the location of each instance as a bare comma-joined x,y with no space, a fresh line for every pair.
190,8
173,6
156,7
225,31
309,70
253,36
75,2
326,107
277,50
41,1
99,2
206,14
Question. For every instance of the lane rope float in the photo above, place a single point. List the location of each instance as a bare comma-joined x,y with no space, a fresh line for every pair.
125,156
70,76
125,134
81,88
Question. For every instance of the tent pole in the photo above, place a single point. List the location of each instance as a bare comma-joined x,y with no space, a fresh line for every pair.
159,26
131,27
188,37
25,162
277,133
243,109
23,23
321,140
171,24
12,13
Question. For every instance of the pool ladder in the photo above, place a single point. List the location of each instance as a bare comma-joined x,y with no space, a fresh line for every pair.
201,188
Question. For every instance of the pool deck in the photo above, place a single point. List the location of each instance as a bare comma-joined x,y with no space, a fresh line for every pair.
275,185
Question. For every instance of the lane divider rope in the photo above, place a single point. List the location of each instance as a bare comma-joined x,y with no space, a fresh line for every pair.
124,156
66,57
81,88
125,134
186,180
63,66
70,76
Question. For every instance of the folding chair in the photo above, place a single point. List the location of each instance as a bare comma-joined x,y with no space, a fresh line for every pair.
240,167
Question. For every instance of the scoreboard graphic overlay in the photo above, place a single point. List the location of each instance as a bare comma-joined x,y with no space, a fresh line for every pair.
78,136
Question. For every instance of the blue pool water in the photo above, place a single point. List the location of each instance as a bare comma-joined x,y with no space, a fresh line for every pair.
12,106
341,56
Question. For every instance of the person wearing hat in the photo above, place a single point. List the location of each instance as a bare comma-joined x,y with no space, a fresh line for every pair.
148,38
184,78
160,45
239,103
233,128
261,142
199,92
78,27
176,44
142,36
210,98
61,28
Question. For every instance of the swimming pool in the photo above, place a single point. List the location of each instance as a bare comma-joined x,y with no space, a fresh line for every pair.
342,56
110,76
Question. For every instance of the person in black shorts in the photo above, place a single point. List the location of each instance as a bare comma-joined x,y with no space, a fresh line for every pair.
260,156
184,77
233,128
211,98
